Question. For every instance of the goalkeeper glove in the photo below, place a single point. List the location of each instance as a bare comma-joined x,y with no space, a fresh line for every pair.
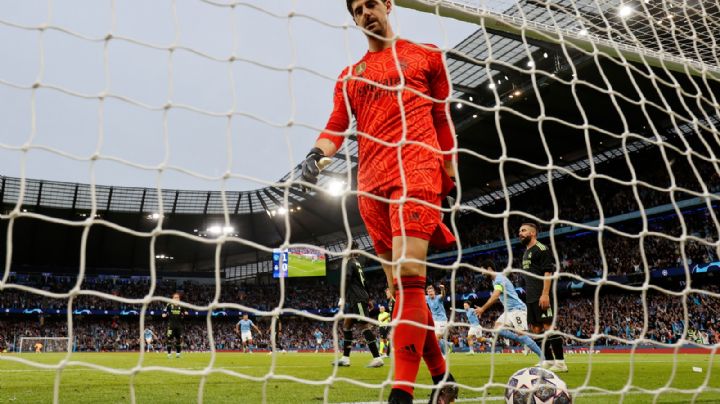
451,196
314,162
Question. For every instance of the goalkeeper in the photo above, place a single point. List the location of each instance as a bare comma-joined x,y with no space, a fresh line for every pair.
402,134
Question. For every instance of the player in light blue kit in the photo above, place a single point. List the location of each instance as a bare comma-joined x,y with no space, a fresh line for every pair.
318,340
437,310
515,315
475,330
243,327
149,337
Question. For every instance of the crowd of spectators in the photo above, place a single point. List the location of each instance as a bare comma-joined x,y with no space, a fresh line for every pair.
586,254
618,318
576,202
622,317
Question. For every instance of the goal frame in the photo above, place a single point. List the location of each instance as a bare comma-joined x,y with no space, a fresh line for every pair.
19,349
494,21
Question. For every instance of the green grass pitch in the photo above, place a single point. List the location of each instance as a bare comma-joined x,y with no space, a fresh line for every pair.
300,266
20,383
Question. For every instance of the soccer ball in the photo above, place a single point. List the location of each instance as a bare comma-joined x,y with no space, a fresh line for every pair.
536,386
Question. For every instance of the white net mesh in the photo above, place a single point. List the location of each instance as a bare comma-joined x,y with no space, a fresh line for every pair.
598,120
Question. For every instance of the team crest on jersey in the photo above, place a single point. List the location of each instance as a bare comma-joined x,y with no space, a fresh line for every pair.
360,68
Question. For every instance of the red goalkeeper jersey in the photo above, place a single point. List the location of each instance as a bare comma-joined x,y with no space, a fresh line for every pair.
382,117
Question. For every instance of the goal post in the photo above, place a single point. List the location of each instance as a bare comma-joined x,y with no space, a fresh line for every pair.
573,33
47,344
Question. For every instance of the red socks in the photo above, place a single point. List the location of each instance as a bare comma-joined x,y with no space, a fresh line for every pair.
410,341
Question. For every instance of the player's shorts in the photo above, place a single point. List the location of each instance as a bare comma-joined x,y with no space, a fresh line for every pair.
475,331
384,331
516,319
148,340
440,327
174,332
538,316
246,336
359,308
382,219
318,341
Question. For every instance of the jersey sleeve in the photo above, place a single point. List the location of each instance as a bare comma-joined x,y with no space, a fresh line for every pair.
340,116
440,90
546,262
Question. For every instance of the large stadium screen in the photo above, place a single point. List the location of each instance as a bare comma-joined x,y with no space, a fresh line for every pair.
298,262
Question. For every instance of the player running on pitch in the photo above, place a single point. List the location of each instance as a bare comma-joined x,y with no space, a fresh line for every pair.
243,327
388,113
475,330
515,314
175,314
437,310
149,337
538,260
356,302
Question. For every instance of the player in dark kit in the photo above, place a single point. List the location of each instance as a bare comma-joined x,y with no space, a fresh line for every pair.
356,302
538,260
175,314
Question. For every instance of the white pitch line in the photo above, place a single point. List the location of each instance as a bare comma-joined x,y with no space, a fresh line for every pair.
78,368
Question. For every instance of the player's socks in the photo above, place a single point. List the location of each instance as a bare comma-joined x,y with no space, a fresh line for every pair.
523,339
532,345
371,343
556,343
409,340
382,346
547,349
347,342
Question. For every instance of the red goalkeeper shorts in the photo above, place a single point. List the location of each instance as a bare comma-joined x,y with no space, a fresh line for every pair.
382,219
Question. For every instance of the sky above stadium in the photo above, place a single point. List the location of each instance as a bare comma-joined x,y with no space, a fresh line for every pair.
256,141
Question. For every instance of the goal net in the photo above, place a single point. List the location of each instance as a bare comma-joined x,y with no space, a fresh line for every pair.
43,344
140,153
